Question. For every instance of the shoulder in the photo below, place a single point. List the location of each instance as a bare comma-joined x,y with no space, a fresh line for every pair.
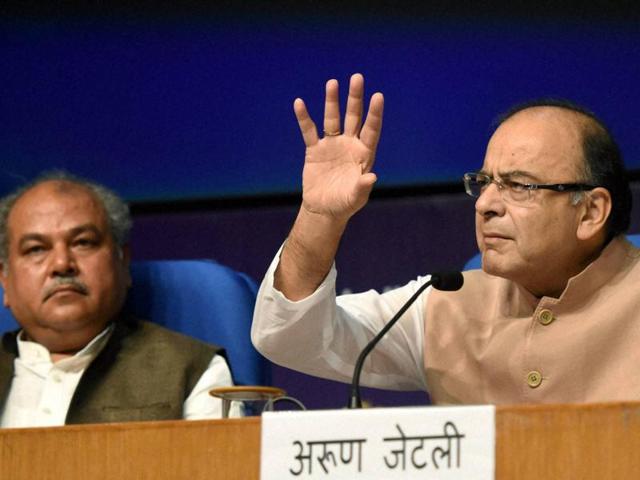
153,338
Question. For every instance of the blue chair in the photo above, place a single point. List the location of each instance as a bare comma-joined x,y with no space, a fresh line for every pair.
634,239
200,298
475,262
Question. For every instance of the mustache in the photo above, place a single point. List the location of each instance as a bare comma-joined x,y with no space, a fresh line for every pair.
58,282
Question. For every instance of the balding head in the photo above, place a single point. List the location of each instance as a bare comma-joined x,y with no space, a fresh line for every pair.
66,278
117,211
602,162
530,226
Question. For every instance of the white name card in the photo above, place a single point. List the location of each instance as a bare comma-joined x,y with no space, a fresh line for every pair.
380,443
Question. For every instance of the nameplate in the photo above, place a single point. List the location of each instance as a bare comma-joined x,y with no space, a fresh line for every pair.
380,443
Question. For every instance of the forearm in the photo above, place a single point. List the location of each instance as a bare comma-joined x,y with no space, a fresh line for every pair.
336,183
308,254
319,337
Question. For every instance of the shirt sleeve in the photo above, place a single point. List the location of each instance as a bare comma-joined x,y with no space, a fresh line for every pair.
323,335
199,404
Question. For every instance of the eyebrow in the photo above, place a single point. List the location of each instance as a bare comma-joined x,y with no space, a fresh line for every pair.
516,174
31,237
75,231
87,227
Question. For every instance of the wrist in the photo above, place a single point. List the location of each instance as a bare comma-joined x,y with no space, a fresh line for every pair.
322,222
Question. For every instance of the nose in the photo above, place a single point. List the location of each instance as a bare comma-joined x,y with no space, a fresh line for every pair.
63,262
490,202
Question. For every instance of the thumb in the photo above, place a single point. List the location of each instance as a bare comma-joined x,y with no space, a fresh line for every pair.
364,187
367,180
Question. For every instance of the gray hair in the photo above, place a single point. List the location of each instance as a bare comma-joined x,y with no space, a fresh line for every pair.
118,216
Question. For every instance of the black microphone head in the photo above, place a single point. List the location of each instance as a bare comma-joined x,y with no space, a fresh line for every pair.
447,281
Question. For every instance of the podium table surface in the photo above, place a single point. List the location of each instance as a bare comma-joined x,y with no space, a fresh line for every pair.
593,441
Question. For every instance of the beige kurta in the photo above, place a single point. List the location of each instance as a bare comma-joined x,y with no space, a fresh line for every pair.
492,342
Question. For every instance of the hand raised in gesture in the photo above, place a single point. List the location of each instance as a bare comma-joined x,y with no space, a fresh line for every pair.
337,176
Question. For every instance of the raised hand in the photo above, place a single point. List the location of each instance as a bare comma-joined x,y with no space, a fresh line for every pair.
336,182
337,176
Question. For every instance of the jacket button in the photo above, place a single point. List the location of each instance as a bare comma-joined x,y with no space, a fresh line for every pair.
545,317
534,379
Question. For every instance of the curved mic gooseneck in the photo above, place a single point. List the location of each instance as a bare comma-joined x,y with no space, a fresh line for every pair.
447,281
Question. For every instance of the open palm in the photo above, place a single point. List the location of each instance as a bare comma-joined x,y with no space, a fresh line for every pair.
337,177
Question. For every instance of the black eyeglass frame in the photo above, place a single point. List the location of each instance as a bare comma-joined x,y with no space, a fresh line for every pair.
556,187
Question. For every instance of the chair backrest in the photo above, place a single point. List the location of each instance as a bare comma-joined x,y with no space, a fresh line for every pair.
475,262
200,298
634,239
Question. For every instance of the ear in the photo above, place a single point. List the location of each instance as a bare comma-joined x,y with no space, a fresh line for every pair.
595,209
3,281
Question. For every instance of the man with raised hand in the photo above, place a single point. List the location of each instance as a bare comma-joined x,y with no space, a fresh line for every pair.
551,317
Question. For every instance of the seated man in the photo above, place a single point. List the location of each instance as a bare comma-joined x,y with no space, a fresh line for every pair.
552,317
77,358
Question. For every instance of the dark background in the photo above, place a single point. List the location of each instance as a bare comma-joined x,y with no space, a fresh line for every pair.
187,112
194,102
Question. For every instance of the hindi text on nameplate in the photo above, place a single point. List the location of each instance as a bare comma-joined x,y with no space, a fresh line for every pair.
380,443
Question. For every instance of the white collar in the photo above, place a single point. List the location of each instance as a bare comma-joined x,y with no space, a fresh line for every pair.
33,354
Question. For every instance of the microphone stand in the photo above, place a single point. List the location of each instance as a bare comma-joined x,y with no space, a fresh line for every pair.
354,399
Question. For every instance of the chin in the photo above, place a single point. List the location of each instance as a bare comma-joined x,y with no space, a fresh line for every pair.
63,325
508,270
66,319
495,264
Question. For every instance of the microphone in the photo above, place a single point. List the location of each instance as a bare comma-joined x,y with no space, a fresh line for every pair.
446,281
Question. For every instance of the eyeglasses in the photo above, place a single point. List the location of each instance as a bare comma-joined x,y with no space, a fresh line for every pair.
476,183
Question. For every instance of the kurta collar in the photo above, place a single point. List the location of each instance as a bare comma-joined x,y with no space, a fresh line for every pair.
611,264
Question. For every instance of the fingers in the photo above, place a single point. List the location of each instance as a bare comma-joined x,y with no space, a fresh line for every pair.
332,109
307,127
370,133
353,116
